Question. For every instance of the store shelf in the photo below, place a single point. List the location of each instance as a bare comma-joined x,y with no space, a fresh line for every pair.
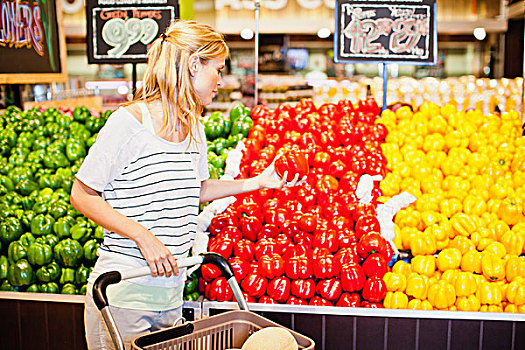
59,298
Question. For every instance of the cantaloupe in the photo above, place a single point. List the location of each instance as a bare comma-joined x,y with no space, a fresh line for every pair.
271,338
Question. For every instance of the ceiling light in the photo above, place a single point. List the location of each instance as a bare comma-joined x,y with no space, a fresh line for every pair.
324,33
247,34
480,33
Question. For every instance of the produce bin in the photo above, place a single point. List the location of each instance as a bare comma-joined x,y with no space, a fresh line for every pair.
334,328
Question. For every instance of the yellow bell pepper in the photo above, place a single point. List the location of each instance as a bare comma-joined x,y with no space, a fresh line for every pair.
496,248
423,244
406,234
462,243
493,205
468,303
408,218
395,300
431,217
442,295
450,207
424,264
417,286
511,212
499,228
493,267
440,234
515,292
450,276
471,262
511,308
474,206
489,293
514,267
518,178
395,282
513,242
466,284
402,268
463,224
427,202
417,304
491,308
482,238
449,259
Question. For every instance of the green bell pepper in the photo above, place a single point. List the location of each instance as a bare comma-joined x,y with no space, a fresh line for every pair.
50,287
28,202
67,276
98,233
238,111
39,254
80,114
25,139
20,273
242,126
214,126
69,289
4,267
220,144
27,239
62,227
58,209
90,250
16,251
32,289
52,181
48,273
7,182
26,219
8,287
191,285
42,224
82,274
41,143
75,150
82,290
91,141
20,173
81,232
192,296
49,239
56,159
26,186
68,252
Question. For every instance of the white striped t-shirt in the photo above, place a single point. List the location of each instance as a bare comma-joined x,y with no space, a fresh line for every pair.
151,181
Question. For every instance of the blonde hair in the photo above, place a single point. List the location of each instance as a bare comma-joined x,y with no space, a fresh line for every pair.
167,77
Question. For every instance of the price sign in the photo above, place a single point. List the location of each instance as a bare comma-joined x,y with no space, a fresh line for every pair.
120,31
386,31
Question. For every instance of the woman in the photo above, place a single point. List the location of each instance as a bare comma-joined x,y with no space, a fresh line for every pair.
144,178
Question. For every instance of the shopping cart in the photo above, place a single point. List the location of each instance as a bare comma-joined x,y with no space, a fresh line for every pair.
228,330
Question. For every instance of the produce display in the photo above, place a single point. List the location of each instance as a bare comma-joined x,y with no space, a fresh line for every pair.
46,245
466,230
314,244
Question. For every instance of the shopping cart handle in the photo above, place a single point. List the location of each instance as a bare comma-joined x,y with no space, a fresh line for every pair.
220,262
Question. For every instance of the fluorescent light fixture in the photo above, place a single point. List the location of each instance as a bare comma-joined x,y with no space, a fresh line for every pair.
247,34
480,33
324,33
123,89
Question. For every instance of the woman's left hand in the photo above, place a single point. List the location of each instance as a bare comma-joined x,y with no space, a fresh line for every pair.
270,179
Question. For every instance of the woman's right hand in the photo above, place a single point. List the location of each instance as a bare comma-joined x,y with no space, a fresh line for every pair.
159,259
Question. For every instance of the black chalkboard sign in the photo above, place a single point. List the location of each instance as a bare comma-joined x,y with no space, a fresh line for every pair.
386,31
119,31
32,43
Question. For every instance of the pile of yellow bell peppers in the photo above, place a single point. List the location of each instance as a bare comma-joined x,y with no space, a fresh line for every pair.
466,229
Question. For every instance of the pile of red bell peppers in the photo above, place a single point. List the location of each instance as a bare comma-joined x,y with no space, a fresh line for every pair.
314,244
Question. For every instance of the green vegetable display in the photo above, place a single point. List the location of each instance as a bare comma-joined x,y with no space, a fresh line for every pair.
46,246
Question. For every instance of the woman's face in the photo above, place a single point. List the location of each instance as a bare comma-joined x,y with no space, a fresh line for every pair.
207,78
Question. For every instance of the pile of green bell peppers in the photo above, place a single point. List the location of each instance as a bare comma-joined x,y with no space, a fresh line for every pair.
46,246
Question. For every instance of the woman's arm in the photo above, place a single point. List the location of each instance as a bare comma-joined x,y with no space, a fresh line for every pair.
88,202
214,189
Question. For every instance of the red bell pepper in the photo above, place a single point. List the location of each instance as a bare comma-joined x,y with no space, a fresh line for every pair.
303,289
290,227
298,267
254,285
265,247
231,232
282,241
326,267
357,209
375,265
210,272
340,223
249,207
318,253
318,301
370,305
303,238
240,268
271,266
346,238
221,245
295,250
250,227
352,277
367,224
346,256
269,231
308,222
296,301
329,289
374,289
374,243
254,268
219,290
221,221
293,205
275,216
248,298
349,300
294,162
279,289
326,239
265,299
244,249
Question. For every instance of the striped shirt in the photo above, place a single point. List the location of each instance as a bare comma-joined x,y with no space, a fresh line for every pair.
151,181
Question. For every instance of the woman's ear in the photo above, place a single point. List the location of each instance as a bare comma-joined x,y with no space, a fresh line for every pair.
193,63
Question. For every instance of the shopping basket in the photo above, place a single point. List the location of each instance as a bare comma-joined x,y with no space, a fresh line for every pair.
228,330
